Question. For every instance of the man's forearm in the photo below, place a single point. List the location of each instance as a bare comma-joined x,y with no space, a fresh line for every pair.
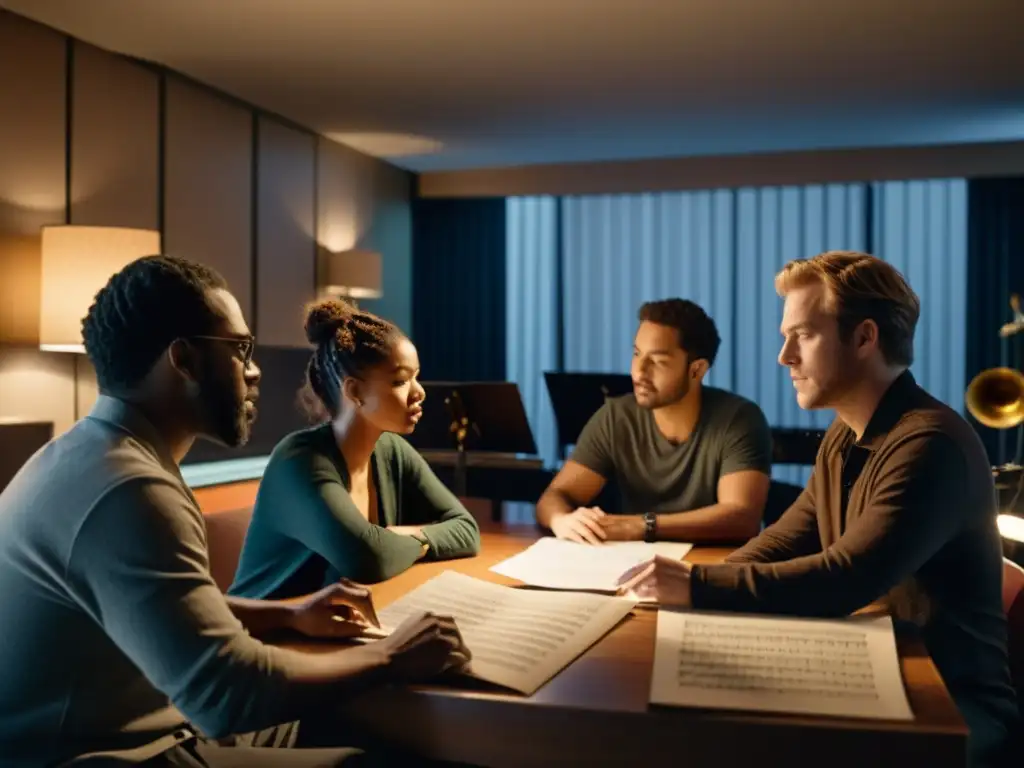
340,672
307,682
718,522
261,617
552,504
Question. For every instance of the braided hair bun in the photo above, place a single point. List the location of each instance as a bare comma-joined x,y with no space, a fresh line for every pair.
331,320
348,342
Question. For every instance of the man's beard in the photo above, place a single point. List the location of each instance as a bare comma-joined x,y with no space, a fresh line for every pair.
662,398
223,414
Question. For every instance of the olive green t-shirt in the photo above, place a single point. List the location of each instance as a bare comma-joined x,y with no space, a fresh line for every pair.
622,443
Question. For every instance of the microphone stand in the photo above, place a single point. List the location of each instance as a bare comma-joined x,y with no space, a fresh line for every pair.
1013,473
459,428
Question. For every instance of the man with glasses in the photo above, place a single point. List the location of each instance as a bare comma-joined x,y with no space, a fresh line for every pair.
117,646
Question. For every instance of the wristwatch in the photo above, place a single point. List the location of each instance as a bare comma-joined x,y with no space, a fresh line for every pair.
650,527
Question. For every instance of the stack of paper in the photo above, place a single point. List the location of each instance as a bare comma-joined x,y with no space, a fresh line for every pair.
846,667
557,564
518,638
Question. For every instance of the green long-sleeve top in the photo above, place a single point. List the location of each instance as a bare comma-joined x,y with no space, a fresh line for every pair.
306,531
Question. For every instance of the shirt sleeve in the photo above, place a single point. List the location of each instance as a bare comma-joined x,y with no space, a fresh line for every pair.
445,523
317,511
139,567
916,508
593,448
748,442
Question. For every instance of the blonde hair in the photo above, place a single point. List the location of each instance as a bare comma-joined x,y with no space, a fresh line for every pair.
861,287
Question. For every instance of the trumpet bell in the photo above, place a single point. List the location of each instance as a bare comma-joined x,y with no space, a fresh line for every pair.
995,397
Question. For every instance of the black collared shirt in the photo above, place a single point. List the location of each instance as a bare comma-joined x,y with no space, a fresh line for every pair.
908,514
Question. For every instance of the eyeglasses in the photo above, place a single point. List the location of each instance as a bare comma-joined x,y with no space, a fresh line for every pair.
246,345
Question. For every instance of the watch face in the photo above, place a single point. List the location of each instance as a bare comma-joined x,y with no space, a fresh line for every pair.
650,526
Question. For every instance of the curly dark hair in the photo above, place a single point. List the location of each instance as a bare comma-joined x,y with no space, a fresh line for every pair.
697,333
348,342
140,311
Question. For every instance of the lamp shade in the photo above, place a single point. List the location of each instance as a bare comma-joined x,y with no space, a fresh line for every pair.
76,263
355,273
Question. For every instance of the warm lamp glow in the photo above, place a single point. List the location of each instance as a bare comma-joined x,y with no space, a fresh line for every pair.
76,263
354,273
1011,527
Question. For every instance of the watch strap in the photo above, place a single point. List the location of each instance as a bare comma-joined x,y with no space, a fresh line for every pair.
650,527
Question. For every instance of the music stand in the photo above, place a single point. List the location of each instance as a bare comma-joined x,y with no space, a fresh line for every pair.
484,416
575,397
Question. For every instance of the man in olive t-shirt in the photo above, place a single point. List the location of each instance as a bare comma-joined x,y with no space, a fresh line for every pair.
692,463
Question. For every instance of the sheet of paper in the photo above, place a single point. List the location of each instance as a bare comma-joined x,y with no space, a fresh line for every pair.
519,638
557,564
846,668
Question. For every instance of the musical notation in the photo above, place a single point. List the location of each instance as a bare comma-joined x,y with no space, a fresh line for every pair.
519,639
845,667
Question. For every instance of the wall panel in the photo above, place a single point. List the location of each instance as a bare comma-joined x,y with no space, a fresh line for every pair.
285,241
114,141
363,203
208,184
33,385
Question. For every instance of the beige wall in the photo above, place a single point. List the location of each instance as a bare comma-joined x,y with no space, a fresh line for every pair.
233,187
753,170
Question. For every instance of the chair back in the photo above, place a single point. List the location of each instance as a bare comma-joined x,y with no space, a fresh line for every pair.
780,497
225,535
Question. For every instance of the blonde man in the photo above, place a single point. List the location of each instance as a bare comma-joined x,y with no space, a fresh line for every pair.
900,504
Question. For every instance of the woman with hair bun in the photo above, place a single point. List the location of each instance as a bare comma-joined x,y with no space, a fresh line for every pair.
351,498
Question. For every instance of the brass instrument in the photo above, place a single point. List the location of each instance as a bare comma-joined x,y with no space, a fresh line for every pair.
995,397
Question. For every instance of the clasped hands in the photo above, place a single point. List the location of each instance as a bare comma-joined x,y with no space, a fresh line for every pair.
592,525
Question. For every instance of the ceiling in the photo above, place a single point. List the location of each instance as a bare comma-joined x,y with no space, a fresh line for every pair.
453,84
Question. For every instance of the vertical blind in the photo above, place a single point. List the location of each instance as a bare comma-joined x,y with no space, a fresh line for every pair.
920,227
722,249
531,305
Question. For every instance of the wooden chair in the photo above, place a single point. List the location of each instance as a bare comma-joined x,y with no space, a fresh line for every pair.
225,534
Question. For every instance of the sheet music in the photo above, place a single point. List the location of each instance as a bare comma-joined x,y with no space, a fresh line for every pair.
518,638
847,667
558,564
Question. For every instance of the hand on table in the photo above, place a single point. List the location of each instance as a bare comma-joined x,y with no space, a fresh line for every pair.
662,579
424,646
343,609
622,527
582,525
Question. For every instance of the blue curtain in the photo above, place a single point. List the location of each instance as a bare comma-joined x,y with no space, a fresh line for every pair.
532,305
531,299
775,225
996,246
622,250
920,227
722,249
458,311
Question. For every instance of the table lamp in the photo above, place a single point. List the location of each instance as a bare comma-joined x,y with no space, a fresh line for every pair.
355,274
77,262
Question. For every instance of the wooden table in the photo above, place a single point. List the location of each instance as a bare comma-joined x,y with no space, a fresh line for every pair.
595,712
